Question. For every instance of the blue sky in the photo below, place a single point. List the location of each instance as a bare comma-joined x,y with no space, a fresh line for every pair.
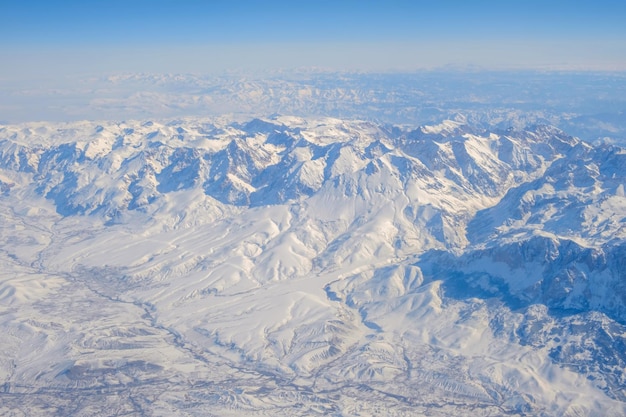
40,37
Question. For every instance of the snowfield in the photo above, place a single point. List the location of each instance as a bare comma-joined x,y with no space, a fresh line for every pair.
310,266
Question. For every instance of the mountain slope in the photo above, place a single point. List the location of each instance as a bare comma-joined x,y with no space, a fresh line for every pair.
311,266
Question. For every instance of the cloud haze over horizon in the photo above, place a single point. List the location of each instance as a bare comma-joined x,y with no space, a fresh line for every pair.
47,39
58,56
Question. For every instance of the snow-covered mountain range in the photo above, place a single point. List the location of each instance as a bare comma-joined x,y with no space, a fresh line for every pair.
590,105
310,266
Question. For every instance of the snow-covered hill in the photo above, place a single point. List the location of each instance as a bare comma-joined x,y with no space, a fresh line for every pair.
296,266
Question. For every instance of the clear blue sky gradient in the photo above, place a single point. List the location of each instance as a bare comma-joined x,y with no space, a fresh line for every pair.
112,22
170,35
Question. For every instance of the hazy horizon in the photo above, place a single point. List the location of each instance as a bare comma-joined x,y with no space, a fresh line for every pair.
51,40
59,56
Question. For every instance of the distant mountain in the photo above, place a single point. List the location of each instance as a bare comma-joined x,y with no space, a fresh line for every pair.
589,105
311,266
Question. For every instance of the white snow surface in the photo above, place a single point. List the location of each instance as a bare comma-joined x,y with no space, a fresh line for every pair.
293,266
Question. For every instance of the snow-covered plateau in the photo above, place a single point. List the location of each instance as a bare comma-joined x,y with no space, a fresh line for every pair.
310,266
